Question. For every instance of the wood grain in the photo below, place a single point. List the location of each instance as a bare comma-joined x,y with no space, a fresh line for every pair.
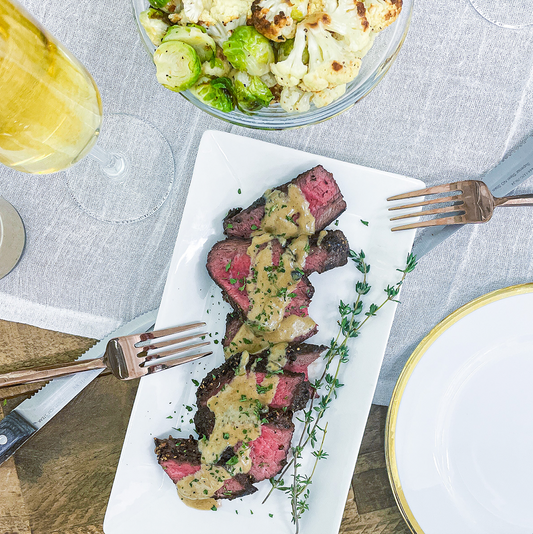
60,481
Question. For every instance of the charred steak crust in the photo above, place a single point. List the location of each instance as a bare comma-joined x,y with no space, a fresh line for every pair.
332,252
234,321
238,221
319,188
182,449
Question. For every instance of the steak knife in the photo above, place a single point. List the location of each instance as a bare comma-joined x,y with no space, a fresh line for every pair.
514,169
33,413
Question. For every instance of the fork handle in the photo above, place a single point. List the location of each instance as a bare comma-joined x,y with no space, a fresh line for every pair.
38,374
518,200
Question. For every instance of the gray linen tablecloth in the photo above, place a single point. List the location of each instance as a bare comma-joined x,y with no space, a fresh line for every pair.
456,100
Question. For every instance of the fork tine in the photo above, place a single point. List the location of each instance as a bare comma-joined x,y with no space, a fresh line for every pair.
446,209
164,354
441,200
443,221
169,331
444,188
172,363
148,345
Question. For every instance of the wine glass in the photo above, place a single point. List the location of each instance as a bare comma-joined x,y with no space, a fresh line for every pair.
51,118
514,14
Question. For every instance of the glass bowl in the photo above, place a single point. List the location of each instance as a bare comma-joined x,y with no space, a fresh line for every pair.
374,67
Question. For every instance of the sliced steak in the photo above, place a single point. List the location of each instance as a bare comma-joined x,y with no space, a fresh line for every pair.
317,186
239,222
235,320
229,265
300,356
179,457
269,451
239,485
292,391
332,252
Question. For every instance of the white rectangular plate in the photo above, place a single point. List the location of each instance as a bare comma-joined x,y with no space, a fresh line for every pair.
234,171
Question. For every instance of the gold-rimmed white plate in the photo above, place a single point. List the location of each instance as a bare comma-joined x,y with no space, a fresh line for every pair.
459,433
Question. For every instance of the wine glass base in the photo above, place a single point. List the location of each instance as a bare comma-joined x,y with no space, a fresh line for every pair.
515,15
12,237
138,192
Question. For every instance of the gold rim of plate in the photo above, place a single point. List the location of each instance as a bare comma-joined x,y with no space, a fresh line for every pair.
401,384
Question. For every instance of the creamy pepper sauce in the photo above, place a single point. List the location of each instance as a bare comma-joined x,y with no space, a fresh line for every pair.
237,406
287,214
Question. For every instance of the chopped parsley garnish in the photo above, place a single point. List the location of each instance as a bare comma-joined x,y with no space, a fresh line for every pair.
263,389
364,222
233,460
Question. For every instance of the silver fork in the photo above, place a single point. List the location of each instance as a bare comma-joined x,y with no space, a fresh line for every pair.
474,204
126,357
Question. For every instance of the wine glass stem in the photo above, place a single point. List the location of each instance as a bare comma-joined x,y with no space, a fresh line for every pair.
112,164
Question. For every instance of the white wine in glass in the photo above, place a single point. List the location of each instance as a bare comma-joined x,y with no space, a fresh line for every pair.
51,118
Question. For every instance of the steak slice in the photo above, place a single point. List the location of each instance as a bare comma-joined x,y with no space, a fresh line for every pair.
318,187
299,357
180,457
229,265
235,320
239,485
269,451
292,391
332,252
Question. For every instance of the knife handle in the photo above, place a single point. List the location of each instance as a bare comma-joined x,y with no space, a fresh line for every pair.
14,432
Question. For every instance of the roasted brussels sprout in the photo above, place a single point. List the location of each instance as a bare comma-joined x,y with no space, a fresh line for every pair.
248,50
217,93
252,94
194,36
178,65
217,68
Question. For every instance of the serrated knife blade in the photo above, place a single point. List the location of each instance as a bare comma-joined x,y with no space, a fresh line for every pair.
514,169
33,413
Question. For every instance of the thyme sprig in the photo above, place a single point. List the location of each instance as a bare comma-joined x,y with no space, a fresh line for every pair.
351,321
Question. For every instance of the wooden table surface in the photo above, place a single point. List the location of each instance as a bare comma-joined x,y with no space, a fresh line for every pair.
60,481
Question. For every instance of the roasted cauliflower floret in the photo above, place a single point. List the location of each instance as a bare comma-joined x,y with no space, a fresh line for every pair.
155,24
293,99
290,71
382,13
330,62
348,19
210,12
273,19
327,96
222,32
